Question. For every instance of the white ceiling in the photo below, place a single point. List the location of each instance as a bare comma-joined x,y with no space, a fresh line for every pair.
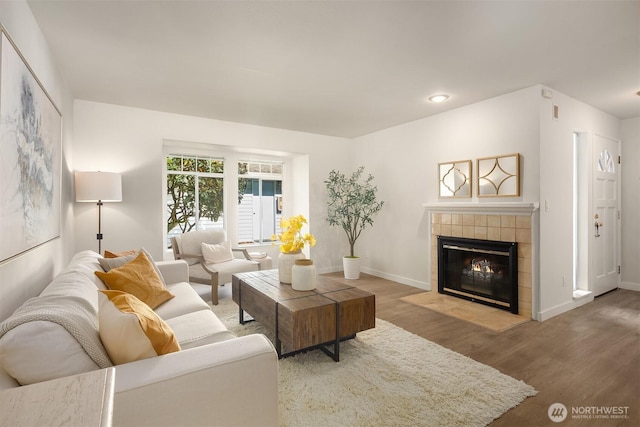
342,68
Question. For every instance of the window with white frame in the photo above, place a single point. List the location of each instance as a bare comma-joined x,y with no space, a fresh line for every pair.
195,193
259,200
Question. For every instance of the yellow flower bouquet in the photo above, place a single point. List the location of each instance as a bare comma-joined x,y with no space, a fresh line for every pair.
292,240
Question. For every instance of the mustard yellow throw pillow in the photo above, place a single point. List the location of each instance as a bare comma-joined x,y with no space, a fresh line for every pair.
109,254
139,278
130,330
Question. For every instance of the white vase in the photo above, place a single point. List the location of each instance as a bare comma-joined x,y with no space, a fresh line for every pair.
351,267
303,275
285,264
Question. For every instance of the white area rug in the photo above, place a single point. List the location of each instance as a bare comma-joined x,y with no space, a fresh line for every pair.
387,377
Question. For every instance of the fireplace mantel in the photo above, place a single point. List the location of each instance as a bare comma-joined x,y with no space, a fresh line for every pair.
500,208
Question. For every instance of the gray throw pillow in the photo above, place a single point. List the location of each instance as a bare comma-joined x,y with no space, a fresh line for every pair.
109,263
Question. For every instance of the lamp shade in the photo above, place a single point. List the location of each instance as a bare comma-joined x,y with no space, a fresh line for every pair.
98,186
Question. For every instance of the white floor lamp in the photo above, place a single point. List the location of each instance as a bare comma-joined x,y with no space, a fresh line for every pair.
98,187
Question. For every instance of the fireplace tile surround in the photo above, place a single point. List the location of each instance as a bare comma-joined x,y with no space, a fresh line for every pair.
503,222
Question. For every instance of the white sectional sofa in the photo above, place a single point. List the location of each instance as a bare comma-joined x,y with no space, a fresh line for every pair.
215,379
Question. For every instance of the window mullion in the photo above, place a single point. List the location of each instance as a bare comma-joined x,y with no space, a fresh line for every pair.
197,199
261,213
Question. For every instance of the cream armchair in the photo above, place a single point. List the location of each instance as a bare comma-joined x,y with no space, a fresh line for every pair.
188,246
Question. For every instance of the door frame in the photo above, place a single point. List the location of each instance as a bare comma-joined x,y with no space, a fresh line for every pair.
584,250
616,219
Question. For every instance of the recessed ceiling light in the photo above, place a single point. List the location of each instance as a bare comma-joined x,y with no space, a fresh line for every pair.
438,98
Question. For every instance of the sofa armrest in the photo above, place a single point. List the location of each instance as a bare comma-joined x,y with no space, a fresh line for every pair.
230,383
174,271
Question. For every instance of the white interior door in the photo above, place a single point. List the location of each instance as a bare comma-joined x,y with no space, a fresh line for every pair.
605,208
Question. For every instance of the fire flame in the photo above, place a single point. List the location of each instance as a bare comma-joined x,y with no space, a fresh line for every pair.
482,266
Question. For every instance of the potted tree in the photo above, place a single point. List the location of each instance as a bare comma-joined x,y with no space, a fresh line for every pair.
352,206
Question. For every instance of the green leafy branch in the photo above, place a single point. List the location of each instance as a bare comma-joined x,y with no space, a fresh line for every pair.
352,203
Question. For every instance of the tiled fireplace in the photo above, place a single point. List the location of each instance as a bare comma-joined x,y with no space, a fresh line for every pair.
505,222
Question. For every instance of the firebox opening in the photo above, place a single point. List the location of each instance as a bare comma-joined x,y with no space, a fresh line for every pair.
484,271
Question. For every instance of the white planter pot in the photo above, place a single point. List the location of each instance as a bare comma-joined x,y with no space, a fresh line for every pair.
351,267
285,264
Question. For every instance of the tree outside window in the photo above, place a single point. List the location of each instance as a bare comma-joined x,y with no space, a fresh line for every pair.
195,193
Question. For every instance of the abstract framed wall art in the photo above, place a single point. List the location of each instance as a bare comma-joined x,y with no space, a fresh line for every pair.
499,176
454,179
30,157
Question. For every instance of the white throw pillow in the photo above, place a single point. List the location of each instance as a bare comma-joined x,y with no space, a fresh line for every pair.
130,330
214,254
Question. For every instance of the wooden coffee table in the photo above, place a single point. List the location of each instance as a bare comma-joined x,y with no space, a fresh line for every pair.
304,320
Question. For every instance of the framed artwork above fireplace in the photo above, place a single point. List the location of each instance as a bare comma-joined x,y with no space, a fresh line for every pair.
499,176
454,179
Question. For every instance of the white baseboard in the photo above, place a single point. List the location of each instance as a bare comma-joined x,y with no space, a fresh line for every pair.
563,308
383,275
398,279
630,286
328,270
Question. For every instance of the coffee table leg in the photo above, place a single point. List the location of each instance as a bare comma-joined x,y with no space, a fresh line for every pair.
335,355
336,343
336,348
240,311
278,342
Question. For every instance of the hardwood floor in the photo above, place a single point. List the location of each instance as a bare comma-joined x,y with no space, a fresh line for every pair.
588,357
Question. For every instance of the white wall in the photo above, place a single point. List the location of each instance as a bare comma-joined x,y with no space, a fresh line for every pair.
26,275
630,135
130,141
404,161
556,191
